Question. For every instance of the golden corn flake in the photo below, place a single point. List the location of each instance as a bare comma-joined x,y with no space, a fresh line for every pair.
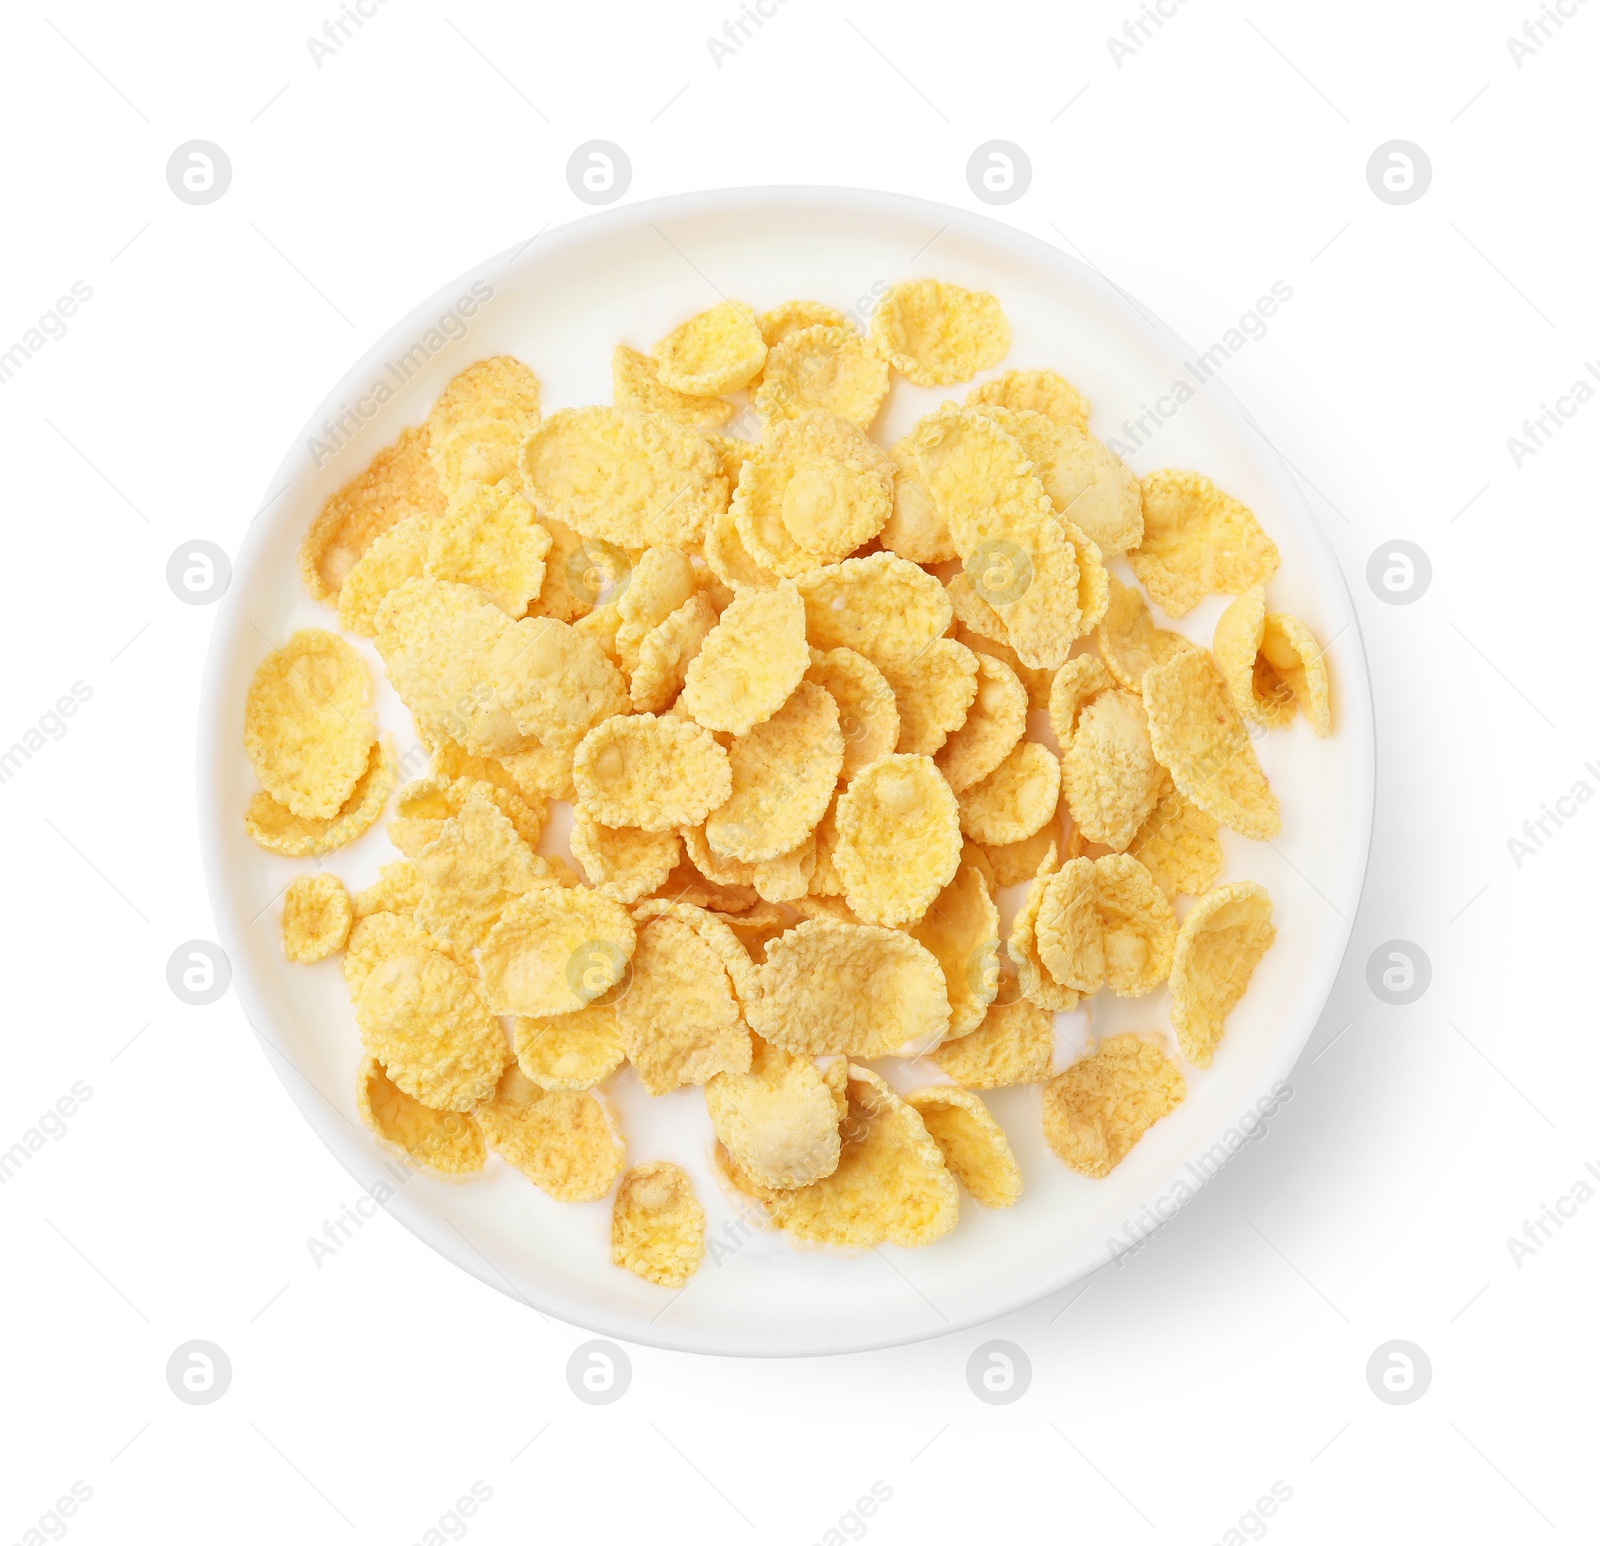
499,388
634,479
449,1143
666,652
961,930
488,537
815,490
891,1185
1178,844
1035,680
714,929
1014,801
1197,735
423,1018
398,484
637,387
680,1019
972,611
1014,1045
787,877
397,889
278,830
915,529
477,451
1036,391
579,573
974,855
974,1145
655,772
437,640
832,369
933,692
828,986
1099,1108
395,556
316,917
556,683
968,462
1015,863
869,719
791,316
564,1141
1129,641
938,334
1223,937
1087,483
1197,540
1110,778
717,351
1132,925
381,935
661,581
569,1052
554,950
1271,663
657,1225
541,773
526,811
729,560
994,725
899,839
1035,980
882,607
623,863
423,807
308,725
476,864
749,663
779,1121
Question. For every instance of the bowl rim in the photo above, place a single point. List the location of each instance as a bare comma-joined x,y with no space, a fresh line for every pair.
1357,714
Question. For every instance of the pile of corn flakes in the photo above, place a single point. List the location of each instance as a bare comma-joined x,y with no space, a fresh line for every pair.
796,690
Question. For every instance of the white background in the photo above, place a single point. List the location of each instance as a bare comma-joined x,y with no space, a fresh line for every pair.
1168,1394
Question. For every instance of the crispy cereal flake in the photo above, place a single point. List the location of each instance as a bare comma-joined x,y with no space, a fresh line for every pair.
657,1225
564,1141
938,334
974,1145
316,917
1014,1045
449,1143
1197,540
779,1121
717,351
569,1052
1223,938
555,950
655,772
899,839
1105,1103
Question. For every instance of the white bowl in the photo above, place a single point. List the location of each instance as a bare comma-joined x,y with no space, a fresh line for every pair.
560,303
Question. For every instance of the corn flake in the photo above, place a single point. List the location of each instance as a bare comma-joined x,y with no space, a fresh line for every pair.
829,986
1178,844
717,351
316,917
278,830
488,537
827,368
961,930
994,724
449,1143
1016,800
890,1185
623,863
938,334
933,692
637,387
1014,1045
1197,735
308,727
423,1018
569,1052
565,1141
974,1145
749,663
554,950
1224,936
1110,778
1128,639
657,1225
633,479
869,719
1197,540
899,839
882,607
1037,391
1271,663
655,772
779,1121
395,556
1099,1108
